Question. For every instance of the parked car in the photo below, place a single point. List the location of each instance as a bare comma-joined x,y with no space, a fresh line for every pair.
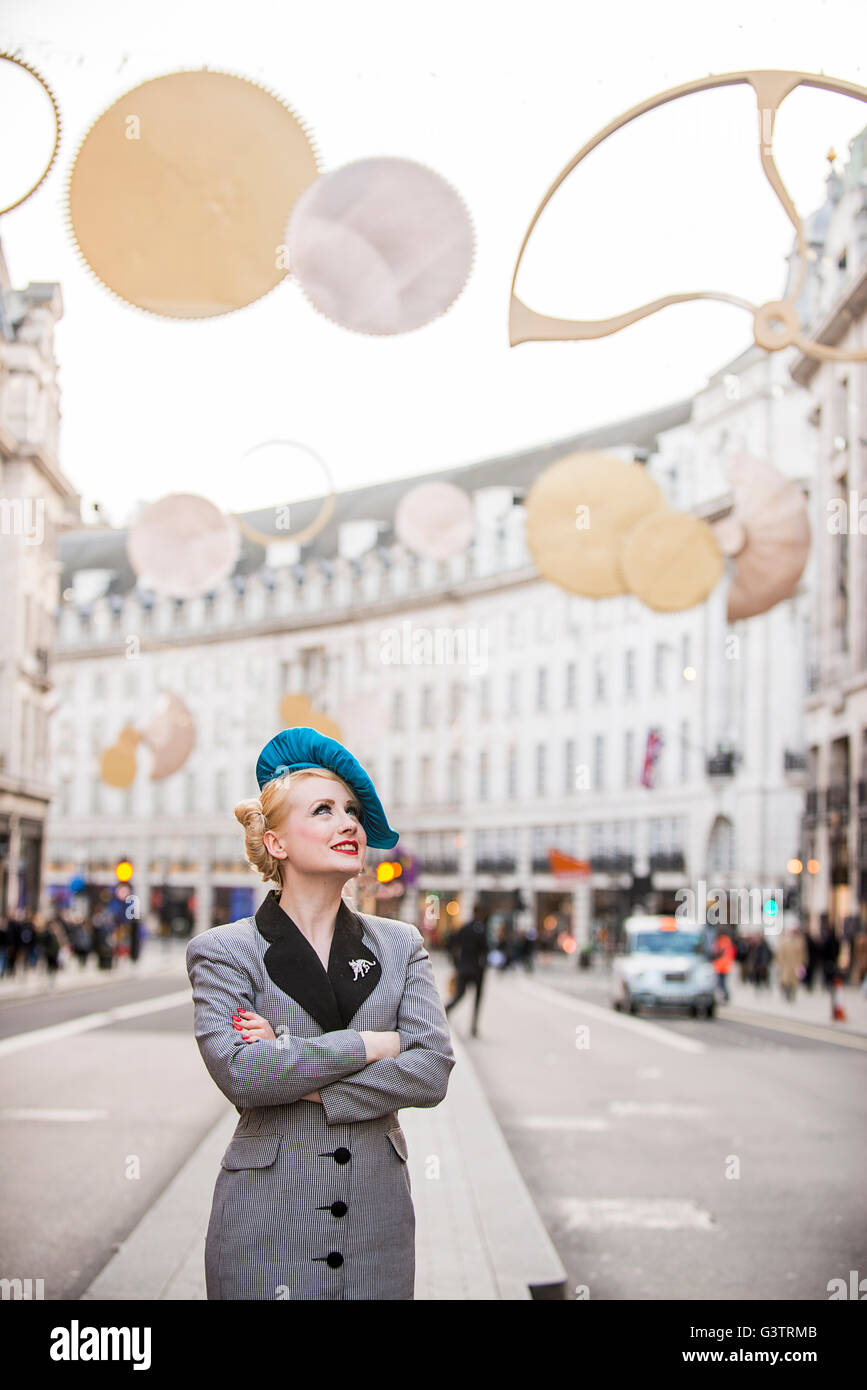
665,965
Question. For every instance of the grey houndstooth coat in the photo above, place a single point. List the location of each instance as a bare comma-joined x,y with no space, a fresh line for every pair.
313,1201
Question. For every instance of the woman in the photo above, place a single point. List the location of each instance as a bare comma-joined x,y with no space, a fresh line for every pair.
319,1024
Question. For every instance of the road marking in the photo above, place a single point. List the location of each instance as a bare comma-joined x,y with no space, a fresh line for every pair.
816,1031
86,1022
591,1124
660,1108
651,1031
633,1213
9,1113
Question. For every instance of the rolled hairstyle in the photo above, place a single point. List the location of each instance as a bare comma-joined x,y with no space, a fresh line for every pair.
265,812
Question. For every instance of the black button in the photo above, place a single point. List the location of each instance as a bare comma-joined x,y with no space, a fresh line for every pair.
339,1208
341,1155
335,1259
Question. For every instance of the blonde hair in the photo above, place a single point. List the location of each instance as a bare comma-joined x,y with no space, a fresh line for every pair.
265,812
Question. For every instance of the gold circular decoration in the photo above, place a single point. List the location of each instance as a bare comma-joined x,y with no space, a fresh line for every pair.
671,561
578,510
298,711
118,763
180,193
19,62
770,87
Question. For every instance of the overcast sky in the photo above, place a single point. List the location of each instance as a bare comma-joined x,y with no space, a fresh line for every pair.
496,97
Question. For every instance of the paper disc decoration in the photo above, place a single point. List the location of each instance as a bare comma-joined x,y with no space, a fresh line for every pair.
299,710
578,512
381,245
118,763
773,512
180,193
435,520
171,736
182,546
671,561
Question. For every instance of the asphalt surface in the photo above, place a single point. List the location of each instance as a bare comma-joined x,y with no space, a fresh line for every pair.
671,1157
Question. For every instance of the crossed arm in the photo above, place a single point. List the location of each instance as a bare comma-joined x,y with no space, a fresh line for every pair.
289,1068
275,1072
419,1076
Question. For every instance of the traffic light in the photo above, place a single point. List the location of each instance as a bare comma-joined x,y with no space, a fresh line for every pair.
389,869
123,871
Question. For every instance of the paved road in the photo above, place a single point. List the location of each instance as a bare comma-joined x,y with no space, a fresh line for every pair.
93,1125
674,1157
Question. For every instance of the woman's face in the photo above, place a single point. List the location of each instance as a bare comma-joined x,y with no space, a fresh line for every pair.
322,832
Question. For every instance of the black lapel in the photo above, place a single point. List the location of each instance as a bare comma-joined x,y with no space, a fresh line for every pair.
331,997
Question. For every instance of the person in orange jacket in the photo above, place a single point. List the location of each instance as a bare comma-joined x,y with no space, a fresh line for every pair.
723,957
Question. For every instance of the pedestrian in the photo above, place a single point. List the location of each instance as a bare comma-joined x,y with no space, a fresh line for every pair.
791,961
829,951
528,948
80,940
469,949
53,942
103,938
742,950
761,963
319,1023
4,945
859,956
814,961
723,956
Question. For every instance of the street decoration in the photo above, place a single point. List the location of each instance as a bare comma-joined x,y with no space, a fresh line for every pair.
771,513
170,735
118,763
298,711
435,520
55,144
179,193
182,546
283,514
776,324
670,560
381,246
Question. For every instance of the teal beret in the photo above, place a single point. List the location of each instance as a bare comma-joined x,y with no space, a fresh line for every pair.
299,748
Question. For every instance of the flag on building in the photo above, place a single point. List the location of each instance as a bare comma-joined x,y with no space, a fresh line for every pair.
652,750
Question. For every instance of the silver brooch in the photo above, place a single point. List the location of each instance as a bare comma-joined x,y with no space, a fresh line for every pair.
360,967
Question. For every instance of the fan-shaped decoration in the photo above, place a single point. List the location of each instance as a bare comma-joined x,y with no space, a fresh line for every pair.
118,763
28,125
283,450
182,546
775,324
578,512
382,245
171,736
670,560
773,513
180,193
435,520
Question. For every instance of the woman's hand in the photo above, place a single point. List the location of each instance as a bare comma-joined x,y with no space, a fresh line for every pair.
381,1045
252,1027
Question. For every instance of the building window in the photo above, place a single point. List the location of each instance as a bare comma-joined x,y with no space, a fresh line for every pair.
599,761
569,767
483,776
629,672
541,769
684,751
221,792
512,772
397,780
190,807
485,697
514,692
685,651
397,710
426,713
660,666
541,688
629,759
599,678
454,702
455,778
571,693
426,779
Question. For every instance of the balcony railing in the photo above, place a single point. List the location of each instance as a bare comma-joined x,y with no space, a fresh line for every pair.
612,862
439,866
541,864
721,765
811,805
668,861
837,798
794,762
502,864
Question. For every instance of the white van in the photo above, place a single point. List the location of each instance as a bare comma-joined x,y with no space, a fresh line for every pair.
665,965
